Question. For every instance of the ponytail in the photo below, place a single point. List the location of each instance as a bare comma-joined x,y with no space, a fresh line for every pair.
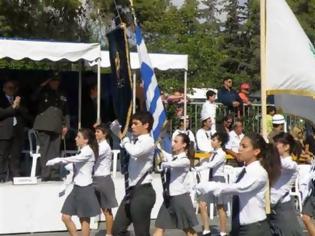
269,157
92,142
190,149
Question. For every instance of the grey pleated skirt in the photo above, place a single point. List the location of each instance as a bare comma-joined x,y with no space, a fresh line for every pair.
209,198
179,215
105,191
309,206
285,217
81,202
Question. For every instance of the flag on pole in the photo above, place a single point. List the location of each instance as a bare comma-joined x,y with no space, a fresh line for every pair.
152,92
290,59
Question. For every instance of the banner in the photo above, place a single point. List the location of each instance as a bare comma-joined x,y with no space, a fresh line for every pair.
290,61
121,76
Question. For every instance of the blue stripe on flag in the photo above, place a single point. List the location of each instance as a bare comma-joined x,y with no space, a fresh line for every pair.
153,103
138,35
157,130
146,75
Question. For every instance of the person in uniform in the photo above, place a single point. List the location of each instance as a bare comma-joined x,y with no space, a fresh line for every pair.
249,190
51,122
214,168
140,196
82,200
102,180
284,214
181,129
177,211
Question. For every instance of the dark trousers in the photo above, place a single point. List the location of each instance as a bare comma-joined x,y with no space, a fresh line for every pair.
138,212
4,156
10,155
261,228
49,143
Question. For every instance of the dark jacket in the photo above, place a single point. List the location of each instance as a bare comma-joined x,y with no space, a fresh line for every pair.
52,110
227,97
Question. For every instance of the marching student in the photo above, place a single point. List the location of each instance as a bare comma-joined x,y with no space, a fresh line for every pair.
249,207
215,169
308,211
103,183
140,196
177,211
82,200
284,214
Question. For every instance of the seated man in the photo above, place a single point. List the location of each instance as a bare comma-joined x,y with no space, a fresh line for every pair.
278,126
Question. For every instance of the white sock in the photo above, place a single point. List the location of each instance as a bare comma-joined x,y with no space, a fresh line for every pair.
223,234
206,232
109,235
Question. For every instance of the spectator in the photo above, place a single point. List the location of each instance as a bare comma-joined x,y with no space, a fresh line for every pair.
303,155
244,93
187,131
52,122
203,135
235,137
229,97
271,110
89,109
226,125
278,126
210,107
310,141
9,135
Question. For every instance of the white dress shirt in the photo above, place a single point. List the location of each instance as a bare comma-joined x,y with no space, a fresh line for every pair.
234,141
285,181
179,169
104,161
188,132
83,166
210,108
251,190
141,158
203,138
216,162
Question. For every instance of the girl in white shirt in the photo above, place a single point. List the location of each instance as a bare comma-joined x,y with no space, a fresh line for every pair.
82,200
177,211
249,208
215,172
182,130
103,183
284,214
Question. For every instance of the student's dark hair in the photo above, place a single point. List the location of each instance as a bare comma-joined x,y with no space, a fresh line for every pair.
189,145
287,139
103,128
144,117
210,93
222,137
269,156
228,117
227,78
90,136
271,109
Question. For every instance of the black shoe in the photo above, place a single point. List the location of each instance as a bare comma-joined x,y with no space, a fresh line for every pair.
45,179
208,234
55,178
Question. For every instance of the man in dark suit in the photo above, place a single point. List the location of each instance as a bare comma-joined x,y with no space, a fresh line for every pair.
11,131
52,122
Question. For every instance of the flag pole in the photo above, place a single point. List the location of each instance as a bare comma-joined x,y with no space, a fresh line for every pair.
263,68
263,74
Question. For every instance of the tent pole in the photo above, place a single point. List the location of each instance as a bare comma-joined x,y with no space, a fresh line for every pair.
98,117
263,69
134,79
185,99
80,97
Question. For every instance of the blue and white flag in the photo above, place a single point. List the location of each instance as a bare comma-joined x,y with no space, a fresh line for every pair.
152,92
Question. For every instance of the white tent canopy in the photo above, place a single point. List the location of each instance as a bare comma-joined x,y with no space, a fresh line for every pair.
54,51
158,60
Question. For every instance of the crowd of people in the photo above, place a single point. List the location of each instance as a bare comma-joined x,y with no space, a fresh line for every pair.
271,164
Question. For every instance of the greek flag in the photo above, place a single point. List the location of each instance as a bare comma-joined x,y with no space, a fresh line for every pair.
153,100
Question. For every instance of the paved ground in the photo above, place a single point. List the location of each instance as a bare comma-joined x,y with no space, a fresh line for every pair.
101,231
